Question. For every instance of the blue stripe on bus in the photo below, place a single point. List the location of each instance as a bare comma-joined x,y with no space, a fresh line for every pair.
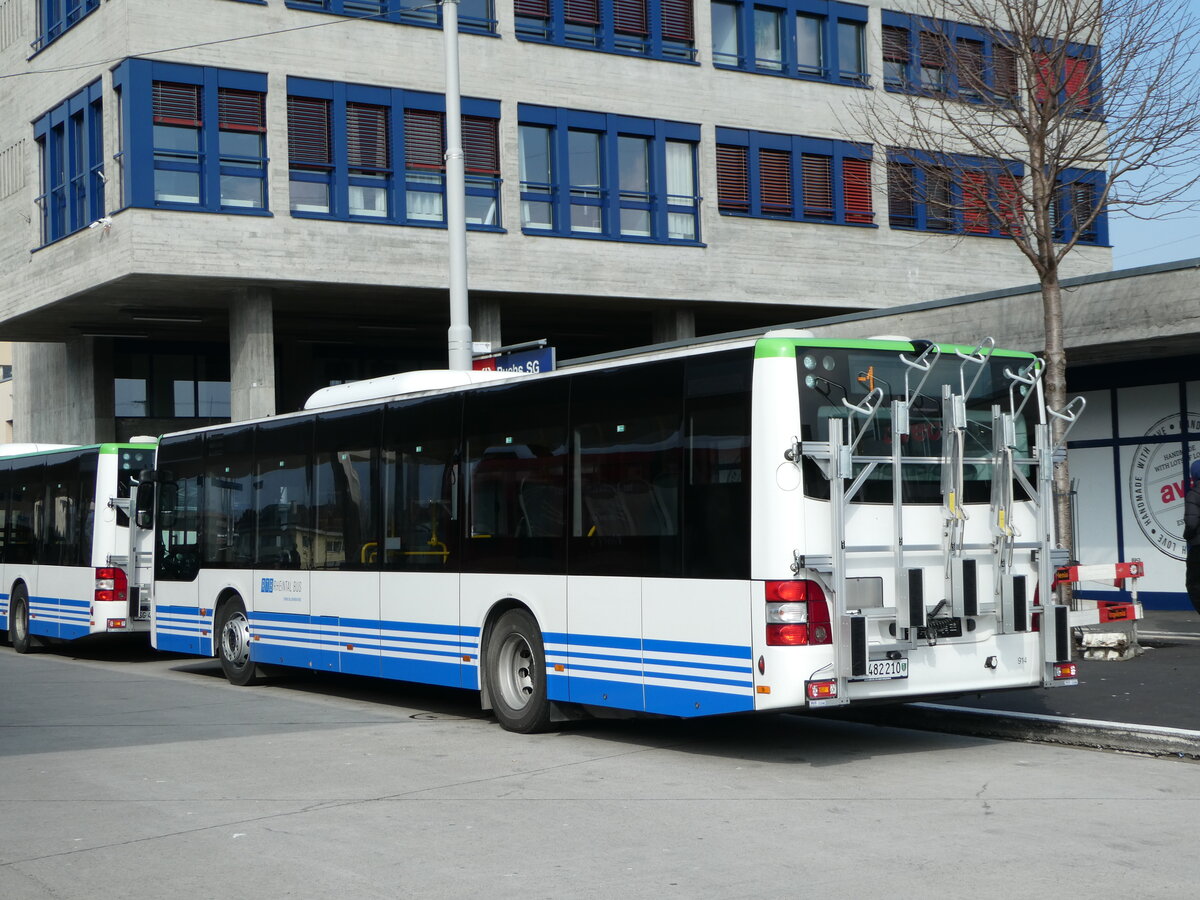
688,703
730,651
699,679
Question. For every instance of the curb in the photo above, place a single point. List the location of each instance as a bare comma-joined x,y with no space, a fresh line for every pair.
1152,740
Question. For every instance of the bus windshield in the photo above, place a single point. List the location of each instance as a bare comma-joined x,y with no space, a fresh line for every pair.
830,375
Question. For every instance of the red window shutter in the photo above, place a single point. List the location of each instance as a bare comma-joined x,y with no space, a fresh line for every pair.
856,185
582,12
970,65
1005,71
933,50
975,205
895,44
677,21
308,132
1008,188
1077,82
629,16
733,183
1045,81
367,145
241,110
424,139
481,145
817,186
176,104
532,9
775,181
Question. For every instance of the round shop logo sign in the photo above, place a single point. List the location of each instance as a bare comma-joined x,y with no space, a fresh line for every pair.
1158,483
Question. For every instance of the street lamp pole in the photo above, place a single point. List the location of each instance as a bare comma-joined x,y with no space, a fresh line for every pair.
459,333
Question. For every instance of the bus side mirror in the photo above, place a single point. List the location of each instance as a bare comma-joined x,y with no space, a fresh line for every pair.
143,504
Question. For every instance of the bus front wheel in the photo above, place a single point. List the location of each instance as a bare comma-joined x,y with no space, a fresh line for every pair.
18,622
516,673
233,644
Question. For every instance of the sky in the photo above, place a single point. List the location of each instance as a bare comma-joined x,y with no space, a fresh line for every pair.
1165,239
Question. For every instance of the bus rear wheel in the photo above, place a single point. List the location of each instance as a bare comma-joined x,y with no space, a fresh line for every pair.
516,673
18,622
233,644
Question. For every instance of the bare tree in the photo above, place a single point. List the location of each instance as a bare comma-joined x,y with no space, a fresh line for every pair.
1033,119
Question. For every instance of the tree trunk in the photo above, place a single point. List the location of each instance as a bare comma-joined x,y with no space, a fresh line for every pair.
1055,383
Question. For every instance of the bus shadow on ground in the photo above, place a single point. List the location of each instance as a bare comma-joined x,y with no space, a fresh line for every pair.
777,738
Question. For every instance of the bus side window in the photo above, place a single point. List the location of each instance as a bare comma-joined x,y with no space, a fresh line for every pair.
420,477
346,490
283,518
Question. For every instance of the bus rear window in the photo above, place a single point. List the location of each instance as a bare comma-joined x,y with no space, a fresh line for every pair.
830,376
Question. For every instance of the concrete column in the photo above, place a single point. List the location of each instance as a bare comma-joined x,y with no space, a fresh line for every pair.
251,354
485,322
63,393
674,325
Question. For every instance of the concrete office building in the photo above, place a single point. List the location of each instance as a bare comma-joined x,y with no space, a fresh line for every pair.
214,231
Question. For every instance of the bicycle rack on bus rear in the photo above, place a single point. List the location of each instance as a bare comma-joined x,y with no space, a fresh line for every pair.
915,623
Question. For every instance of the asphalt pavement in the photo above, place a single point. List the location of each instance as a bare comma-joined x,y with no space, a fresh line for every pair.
1147,704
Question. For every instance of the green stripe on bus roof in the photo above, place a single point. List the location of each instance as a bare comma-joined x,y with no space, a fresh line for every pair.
767,348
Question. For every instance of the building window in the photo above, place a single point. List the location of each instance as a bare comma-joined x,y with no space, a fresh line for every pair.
70,142
1077,193
606,176
378,154
660,29
780,176
170,383
946,59
474,16
192,138
819,39
953,195
55,17
1070,75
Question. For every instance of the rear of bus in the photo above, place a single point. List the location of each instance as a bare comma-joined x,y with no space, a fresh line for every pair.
121,596
884,586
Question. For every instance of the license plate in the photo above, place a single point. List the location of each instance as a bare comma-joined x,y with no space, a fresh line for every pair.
884,669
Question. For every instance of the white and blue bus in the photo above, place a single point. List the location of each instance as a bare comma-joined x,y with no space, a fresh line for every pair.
65,568
765,523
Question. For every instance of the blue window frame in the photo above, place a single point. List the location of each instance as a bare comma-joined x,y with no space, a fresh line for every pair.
194,138
946,59
954,194
659,29
598,175
56,17
474,16
1077,193
783,176
377,154
70,141
820,40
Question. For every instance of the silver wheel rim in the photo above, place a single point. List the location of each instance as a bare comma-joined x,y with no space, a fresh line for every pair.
514,672
235,640
20,622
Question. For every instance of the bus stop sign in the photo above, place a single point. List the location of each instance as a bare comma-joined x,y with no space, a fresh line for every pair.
540,359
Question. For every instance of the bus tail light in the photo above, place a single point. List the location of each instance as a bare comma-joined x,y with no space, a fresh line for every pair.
797,614
111,585
1035,618
821,690
1063,671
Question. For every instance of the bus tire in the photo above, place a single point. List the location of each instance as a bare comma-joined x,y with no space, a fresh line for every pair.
18,622
516,673
233,644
